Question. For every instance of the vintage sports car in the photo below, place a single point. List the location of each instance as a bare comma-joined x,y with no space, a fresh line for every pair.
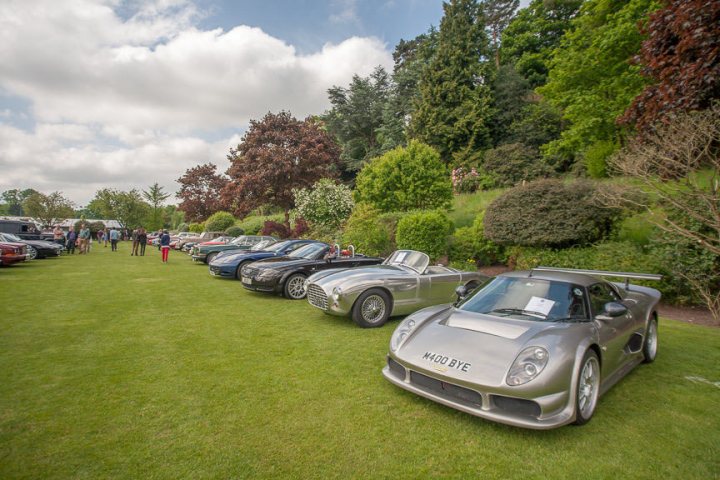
287,274
532,349
205,253
230,263
35,248
404,283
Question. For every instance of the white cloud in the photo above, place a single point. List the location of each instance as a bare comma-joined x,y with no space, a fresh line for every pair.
124,102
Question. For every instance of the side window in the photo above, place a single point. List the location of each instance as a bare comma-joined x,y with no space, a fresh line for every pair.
295,246
600,294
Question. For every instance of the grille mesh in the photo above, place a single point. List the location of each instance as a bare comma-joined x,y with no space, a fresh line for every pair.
316,296
445,389
396,368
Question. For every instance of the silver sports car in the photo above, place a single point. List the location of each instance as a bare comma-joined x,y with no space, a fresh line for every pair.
533,349
402,284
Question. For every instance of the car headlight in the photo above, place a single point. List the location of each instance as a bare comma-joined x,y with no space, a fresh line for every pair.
527,366
337,291
268,275
401,333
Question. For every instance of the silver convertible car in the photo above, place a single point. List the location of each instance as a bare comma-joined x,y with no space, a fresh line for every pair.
532,349
402,284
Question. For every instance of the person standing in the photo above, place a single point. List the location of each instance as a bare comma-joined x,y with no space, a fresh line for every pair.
58,236
142,240
70,242
106,237
114,237
134,242
84,237
165,245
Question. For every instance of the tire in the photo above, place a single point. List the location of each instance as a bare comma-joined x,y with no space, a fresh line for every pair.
371,309
209,257
587,388
650,344
239,269
31,252
294,288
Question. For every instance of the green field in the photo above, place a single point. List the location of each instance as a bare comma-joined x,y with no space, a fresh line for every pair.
114,366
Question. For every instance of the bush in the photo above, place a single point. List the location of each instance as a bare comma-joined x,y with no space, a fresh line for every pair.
405,179
468,245
470,181
548,213
426,231
596,158
219,222
281,230
370,231
183,227
196,227
251,225
513,163
326,205
234,231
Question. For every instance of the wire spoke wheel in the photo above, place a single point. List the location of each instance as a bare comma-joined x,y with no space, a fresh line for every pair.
373,309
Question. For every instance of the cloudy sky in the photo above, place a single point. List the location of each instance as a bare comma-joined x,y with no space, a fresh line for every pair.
125,93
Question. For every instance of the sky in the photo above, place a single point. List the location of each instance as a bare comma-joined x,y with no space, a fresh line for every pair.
125,93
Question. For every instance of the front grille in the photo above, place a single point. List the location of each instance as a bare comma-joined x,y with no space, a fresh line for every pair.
517,406
396,368
316,296
454,392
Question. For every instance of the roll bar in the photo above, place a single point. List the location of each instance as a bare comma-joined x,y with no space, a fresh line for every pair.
602,273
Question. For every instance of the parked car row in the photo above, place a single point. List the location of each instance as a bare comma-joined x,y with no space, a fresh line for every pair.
21,241
533,349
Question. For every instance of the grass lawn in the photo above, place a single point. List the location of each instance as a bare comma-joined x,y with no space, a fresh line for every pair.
467,205
114,366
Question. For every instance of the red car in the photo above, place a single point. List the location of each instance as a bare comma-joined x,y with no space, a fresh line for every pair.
11,252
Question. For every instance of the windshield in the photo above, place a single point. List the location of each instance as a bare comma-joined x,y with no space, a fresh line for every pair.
418,261
263,245
529,299
309,251
9,237
241,240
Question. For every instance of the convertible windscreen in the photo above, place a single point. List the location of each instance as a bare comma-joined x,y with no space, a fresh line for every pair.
309,251
530,299
418,261
266,245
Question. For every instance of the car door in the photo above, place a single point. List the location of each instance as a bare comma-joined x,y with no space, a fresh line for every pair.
440,284
614,332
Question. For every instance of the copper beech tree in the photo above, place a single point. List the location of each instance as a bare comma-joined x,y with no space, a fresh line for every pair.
276,155
200,192
681,55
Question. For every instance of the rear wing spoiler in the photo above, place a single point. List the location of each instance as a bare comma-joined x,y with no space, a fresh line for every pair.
602,273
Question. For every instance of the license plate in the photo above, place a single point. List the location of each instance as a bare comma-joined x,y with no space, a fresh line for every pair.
246,280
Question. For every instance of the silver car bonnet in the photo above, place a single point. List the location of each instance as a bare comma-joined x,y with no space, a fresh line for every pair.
356,276
488,345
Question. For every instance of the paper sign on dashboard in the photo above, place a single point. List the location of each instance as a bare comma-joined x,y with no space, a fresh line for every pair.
540,305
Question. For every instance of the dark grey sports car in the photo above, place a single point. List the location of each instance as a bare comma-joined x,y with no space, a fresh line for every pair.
533,349
35,248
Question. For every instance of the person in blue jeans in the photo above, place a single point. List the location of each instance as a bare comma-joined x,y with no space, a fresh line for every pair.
114,237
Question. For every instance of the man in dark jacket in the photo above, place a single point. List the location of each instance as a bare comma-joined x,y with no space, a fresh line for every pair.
165,245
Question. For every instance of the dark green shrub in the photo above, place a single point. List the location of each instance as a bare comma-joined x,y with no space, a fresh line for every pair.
370,231
234,231
405,179
253,223
513,163
219,222
548,213
426,231
469,245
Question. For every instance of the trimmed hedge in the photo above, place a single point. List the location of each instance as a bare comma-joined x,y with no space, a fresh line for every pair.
548,213
219,222
234,231
469,247
370,231
251,225
426,231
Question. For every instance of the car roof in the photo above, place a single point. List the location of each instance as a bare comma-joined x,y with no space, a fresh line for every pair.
568,277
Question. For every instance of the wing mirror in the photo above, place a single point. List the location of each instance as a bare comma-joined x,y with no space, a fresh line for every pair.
615,309
461,292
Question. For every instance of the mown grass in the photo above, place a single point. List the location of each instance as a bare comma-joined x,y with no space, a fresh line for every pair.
113,366
466,206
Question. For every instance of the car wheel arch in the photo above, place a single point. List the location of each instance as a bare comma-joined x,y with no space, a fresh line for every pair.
376,287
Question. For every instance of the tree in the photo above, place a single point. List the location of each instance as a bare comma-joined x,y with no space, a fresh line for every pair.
453,110
498,14
357,115
14,199
276,155
201,192
156,196
530,38
511,93
128,208
405,179
681,56
48,208
591,79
